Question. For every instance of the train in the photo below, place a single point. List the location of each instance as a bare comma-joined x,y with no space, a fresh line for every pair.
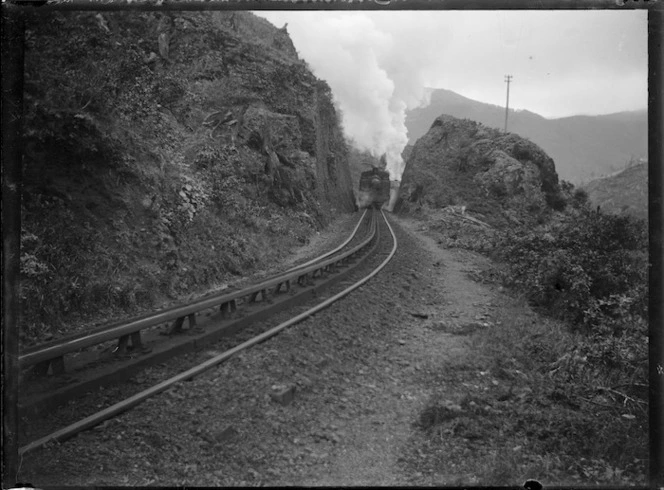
374,188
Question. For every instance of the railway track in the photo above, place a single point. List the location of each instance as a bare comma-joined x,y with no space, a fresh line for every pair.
360,257
83,362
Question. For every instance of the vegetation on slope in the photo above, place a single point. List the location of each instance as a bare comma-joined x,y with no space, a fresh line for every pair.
625,192
579,374
582,373
166,153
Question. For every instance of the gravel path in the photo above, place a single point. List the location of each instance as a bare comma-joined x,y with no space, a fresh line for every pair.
355,369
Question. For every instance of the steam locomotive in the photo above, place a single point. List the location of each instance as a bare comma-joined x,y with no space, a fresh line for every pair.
374,188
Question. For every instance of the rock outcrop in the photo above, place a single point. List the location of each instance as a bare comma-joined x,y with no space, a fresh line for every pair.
500,177
167,151
583,147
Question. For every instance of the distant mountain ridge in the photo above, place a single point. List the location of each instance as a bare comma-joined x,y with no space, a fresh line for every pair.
624,192
582,147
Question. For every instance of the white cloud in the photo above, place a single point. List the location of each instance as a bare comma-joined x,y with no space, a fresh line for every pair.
378,63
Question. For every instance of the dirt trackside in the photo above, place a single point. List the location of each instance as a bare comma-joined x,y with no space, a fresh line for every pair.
407,382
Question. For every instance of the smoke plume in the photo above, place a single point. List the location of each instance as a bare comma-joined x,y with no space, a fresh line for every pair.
374,66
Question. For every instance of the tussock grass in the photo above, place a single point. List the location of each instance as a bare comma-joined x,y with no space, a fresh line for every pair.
527,405
523,339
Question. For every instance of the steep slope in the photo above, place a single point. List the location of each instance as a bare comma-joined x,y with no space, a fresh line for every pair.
499,178
583,147
166,153
625,192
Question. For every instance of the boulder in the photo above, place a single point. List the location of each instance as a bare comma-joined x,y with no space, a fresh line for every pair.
460,162
526,151
508,176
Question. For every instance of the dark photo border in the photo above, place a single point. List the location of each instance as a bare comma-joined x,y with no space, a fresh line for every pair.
13,13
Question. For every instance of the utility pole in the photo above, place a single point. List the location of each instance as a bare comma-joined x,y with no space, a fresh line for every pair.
508,79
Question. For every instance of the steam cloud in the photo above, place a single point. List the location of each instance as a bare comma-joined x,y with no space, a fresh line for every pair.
375,68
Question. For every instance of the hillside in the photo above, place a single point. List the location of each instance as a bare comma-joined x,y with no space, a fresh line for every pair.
625,192
498,178
476,189
583,147
166,154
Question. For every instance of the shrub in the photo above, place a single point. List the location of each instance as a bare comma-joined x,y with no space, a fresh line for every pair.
555,200
581,266
580,197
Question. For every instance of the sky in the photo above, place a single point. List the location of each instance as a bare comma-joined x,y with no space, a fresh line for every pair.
379,64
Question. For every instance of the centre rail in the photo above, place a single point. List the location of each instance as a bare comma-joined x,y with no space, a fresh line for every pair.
52,354
132,401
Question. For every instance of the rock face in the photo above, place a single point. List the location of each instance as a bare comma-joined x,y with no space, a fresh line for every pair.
501,177
167,151
265,129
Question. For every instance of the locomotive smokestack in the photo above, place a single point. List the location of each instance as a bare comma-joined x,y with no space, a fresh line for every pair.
383,161
394,194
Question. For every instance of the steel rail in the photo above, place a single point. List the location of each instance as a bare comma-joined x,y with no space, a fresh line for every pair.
159,349
35,348
68,345
120,407
346,242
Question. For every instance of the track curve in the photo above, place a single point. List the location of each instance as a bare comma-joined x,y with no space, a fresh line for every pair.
127,404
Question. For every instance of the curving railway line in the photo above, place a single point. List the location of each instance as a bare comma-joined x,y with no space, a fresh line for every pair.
140,342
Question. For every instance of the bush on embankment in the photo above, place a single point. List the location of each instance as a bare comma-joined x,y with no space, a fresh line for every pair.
589,269
577,406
